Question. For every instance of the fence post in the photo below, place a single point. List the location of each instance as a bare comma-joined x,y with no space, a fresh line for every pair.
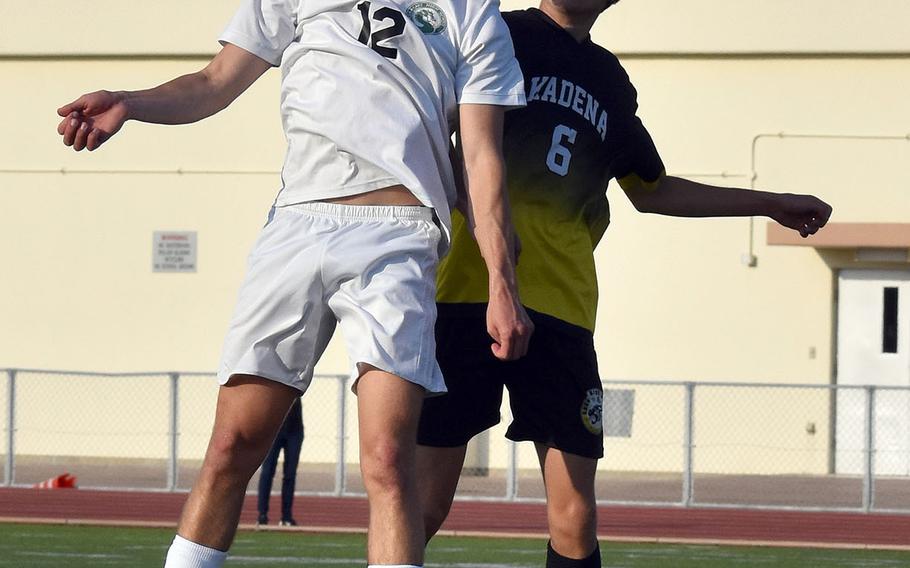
512,472
688,444
512,468
9,475
869,455
340,473
173,431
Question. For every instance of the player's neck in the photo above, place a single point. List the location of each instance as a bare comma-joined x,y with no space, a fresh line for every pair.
578,24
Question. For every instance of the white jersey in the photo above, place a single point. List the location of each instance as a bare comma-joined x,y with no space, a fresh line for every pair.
370,88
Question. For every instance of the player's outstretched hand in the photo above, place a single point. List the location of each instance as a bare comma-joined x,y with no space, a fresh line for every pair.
509,326
89,121
804,213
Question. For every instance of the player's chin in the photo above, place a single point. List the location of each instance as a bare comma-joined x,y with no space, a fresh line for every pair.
583,6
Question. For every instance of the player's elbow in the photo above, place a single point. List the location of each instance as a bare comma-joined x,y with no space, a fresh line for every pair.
644,202
645,196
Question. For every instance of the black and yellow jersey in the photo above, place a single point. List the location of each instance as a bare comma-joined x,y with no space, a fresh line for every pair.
578,131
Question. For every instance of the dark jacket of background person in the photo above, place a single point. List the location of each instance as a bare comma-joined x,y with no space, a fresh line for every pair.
290,439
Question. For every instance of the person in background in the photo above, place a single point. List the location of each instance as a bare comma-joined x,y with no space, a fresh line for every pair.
289,439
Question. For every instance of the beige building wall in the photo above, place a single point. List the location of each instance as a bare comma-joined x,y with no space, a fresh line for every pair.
677,301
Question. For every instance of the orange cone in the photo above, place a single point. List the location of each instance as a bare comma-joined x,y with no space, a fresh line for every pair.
65,481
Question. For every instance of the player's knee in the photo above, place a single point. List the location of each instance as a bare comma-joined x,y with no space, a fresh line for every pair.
232,453
386,466
574,519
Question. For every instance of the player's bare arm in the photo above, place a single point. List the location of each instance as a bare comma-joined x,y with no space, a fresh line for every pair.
685,198
480,141
461,199
92,119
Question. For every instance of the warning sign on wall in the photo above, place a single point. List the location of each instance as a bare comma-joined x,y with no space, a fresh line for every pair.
174,251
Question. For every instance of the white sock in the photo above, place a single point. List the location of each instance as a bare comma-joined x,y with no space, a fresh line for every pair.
187,554
394,566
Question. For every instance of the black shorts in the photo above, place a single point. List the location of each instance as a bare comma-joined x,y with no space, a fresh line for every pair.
554,391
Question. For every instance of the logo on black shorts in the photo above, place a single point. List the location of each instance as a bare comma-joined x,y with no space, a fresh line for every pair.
429,18
592,411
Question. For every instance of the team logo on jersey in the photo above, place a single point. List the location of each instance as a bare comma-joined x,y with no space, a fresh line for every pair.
429,18
592,411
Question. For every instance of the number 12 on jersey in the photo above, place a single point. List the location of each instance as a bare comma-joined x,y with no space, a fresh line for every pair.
559,156
371,38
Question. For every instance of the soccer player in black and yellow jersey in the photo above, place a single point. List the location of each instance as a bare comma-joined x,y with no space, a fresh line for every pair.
578,131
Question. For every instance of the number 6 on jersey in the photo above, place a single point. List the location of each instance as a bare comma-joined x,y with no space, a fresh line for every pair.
559,157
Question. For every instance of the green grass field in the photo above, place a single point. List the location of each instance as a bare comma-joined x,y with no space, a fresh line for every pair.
27,546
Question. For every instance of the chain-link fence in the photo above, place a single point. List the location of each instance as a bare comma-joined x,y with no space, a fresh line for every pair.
666,443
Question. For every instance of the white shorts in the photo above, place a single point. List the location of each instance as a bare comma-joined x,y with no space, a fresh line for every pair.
372,269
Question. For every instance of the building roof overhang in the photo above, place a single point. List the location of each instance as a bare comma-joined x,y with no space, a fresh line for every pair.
845,236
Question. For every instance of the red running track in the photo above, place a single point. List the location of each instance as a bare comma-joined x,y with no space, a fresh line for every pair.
467,517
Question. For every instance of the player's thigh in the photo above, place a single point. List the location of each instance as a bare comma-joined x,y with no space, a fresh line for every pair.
248,414
568,477
388,409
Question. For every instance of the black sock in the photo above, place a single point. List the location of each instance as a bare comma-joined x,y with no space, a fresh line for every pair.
556,560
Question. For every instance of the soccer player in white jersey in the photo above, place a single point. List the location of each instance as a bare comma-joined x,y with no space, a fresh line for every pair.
370,92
